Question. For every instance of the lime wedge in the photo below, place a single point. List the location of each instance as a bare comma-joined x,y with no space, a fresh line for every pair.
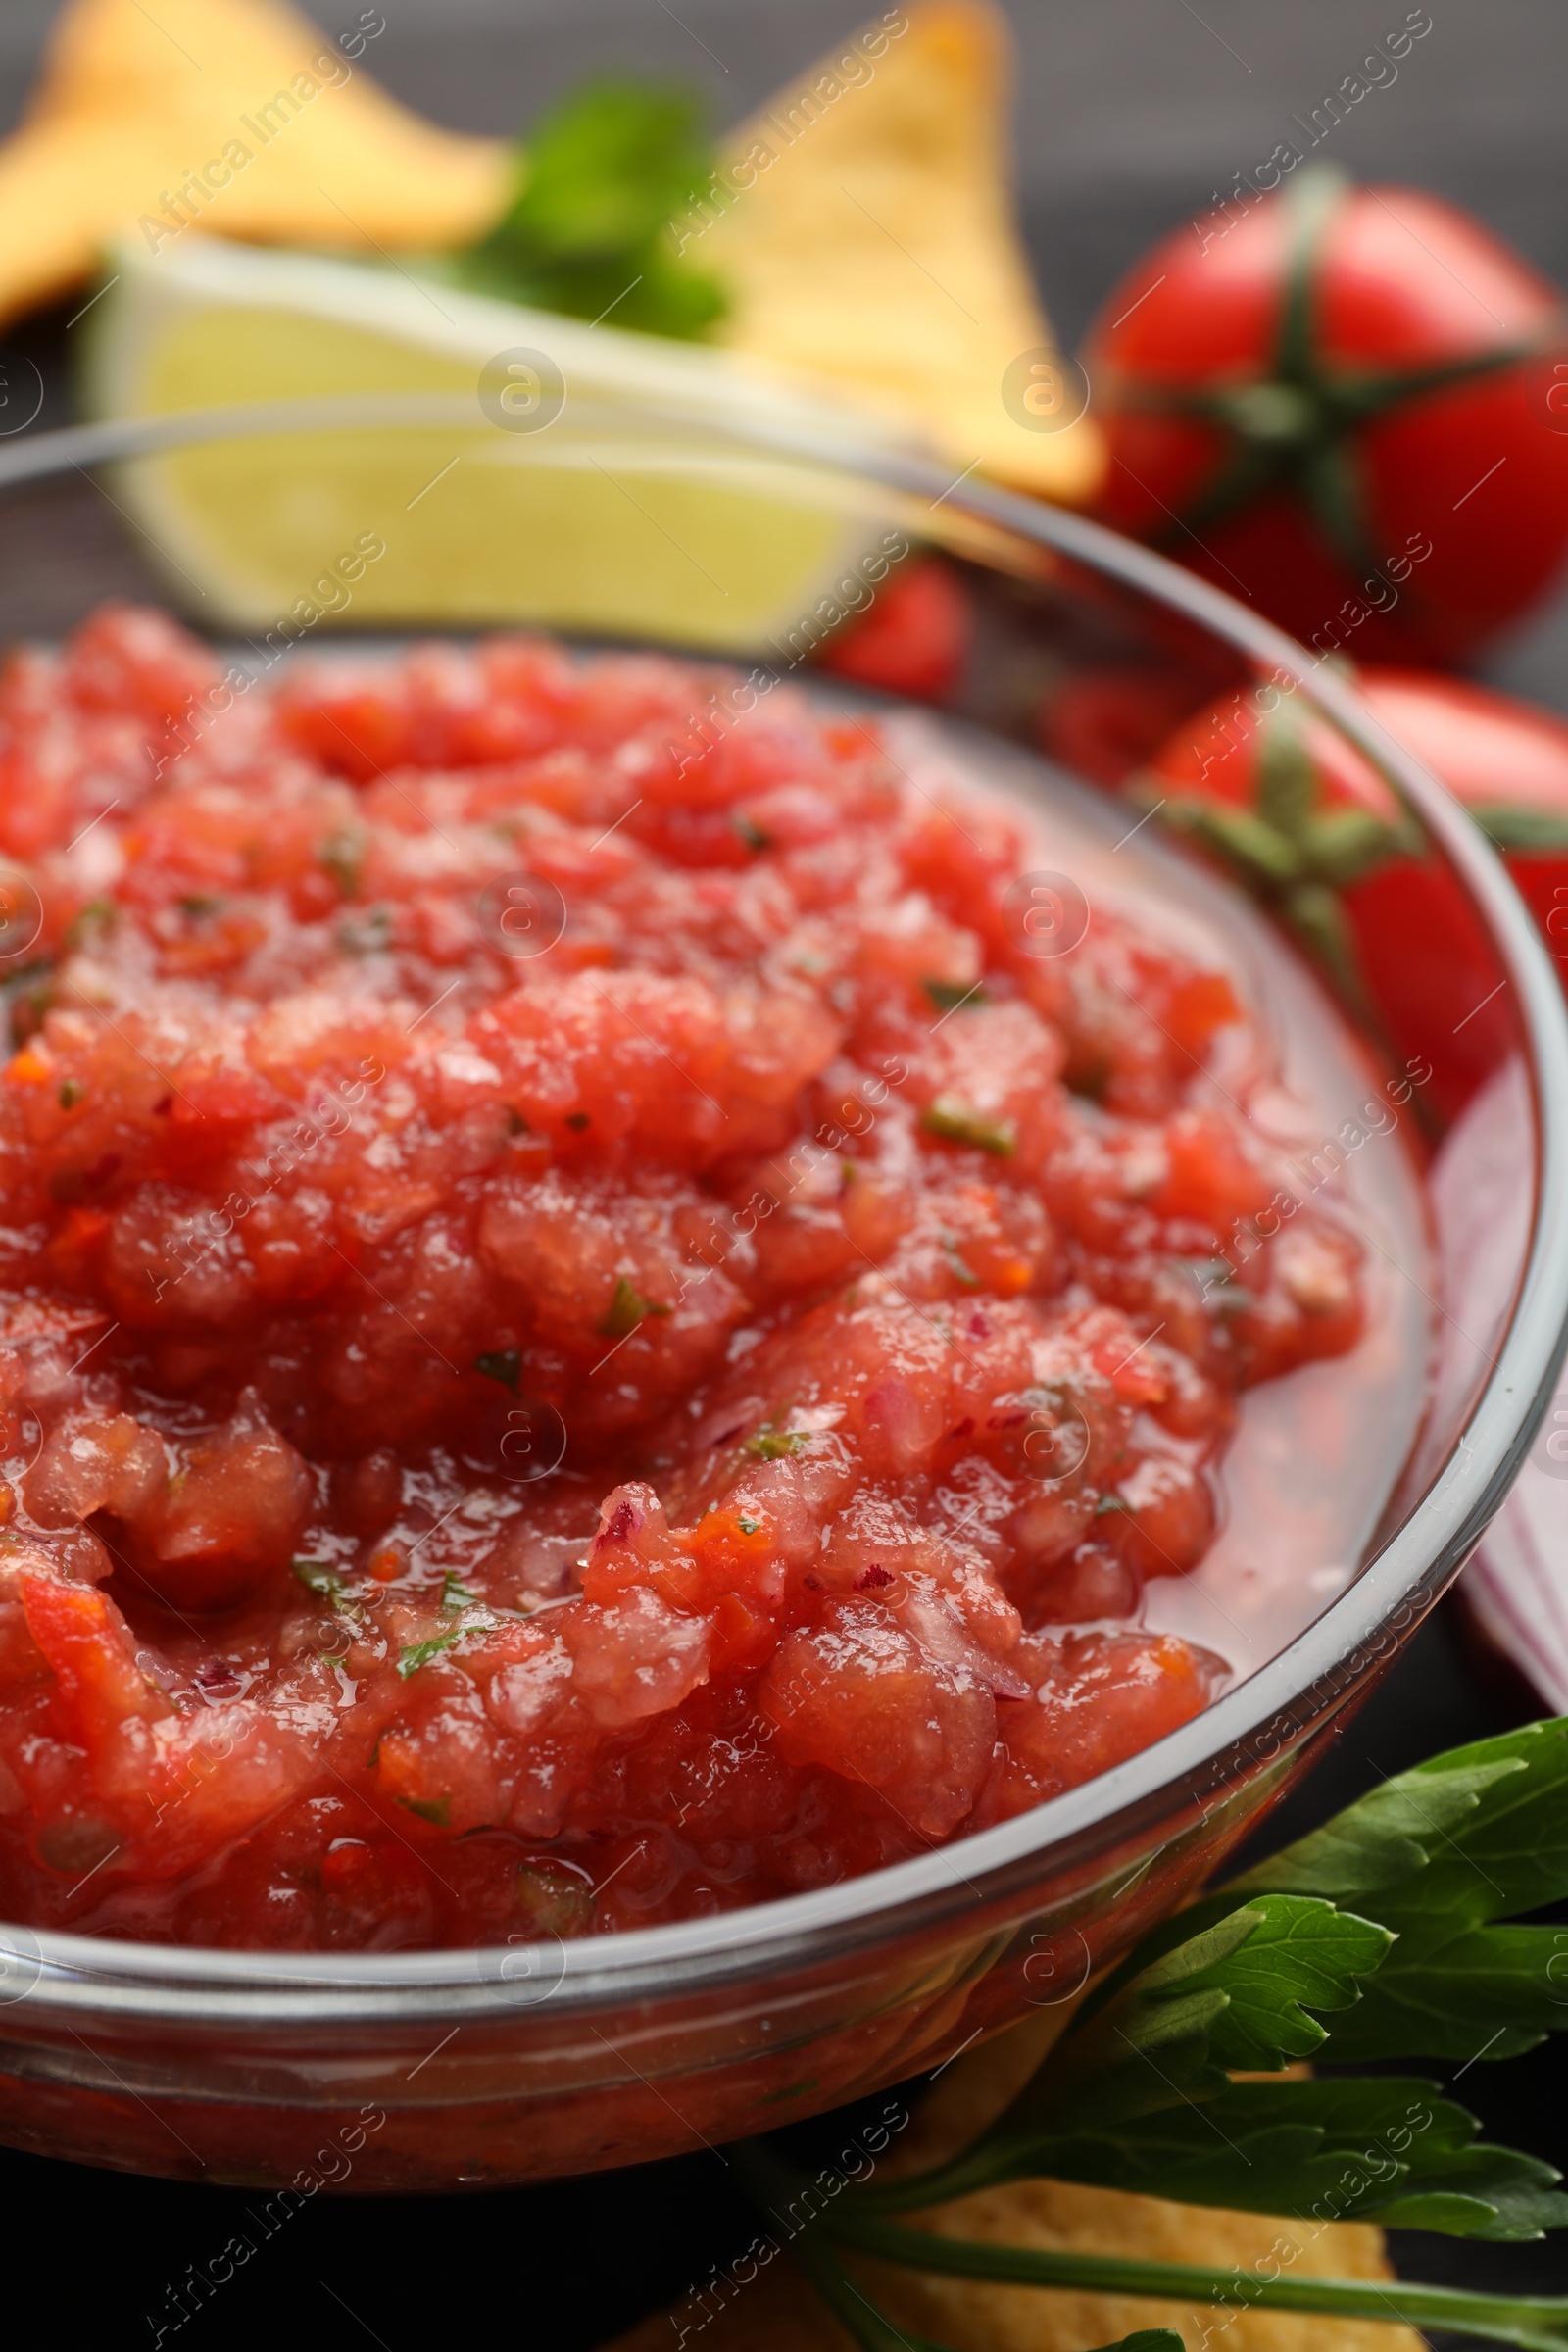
570,477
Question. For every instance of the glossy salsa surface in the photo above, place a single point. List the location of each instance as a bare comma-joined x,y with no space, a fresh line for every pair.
605,1302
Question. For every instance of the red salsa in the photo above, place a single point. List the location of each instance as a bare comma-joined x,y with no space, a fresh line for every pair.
605,1307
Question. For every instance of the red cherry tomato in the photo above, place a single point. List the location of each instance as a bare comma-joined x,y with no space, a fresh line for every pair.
1507,761
1319,834
915,638
1348,406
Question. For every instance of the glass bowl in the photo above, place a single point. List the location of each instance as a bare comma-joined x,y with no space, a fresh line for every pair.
447,2069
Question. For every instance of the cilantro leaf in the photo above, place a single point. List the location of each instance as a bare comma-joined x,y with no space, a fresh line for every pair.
604,174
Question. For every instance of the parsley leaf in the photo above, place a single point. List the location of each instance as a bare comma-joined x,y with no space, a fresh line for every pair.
437,1809
948,994
99,914
1387,1836
1140,2093
1237,1995
342,854
1440,1855
957,1265
627,1309
322,1579
955,1123
778,1444
419,1653
366,934
1159,2042
1387,2149
553,1901
604,174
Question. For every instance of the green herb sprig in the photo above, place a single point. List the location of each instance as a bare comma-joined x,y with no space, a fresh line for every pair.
327,1584
603,176
1391,1932
952,1119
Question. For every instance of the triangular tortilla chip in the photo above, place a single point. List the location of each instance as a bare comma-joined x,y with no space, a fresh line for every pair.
763,2303
863,225
252,121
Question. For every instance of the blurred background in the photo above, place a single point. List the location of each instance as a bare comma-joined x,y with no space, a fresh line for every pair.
1130,113
1129,116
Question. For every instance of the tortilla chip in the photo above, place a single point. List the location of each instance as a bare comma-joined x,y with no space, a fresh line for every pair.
237,117
864,226
775,2311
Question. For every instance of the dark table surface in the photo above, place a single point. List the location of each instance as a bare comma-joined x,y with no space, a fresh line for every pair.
1131,115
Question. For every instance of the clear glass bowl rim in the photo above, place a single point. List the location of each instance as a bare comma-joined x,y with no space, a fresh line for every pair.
1286,1700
